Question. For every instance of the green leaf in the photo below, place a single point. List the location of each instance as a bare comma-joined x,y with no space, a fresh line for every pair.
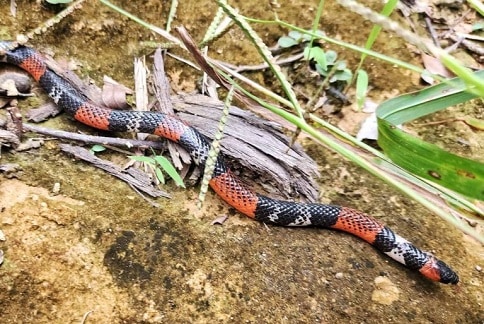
341,65
386,11
96,148
361,87
424,159
142,158
478,26
286,42
317,54
320,70
319,57
320,33
344,75
166,165
473,82
331,57
411,106
306,53
431,162
297,36
474,122
159,175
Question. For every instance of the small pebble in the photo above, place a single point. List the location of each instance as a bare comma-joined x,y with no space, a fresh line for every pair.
219,220
56,188
339,275
1,257
478,268
2,236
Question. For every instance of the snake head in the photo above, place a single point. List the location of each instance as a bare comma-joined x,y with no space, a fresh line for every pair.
437,270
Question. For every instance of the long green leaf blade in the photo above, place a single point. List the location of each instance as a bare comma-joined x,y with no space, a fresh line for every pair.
166,165
424,159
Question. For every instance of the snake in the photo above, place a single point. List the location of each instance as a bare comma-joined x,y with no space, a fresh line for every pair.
224,182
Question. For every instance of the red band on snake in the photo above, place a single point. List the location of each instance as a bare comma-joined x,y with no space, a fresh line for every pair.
224,182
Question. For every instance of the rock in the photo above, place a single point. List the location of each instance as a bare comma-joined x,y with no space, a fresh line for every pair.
385,292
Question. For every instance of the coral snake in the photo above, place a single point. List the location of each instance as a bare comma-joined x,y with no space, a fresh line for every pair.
224,182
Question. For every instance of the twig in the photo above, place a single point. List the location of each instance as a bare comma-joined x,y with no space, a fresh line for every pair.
432,32
206,65
471,46
149,201
161,84
263,66
84,318
90,139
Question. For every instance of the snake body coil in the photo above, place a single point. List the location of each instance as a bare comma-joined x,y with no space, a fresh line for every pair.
223,182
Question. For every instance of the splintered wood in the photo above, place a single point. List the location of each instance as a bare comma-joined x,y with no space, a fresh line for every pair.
258,145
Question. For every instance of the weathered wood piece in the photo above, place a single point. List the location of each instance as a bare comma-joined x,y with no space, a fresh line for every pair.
135,177
91,139
161,88
260,146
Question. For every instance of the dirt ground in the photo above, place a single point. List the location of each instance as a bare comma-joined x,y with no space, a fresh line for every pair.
96,251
